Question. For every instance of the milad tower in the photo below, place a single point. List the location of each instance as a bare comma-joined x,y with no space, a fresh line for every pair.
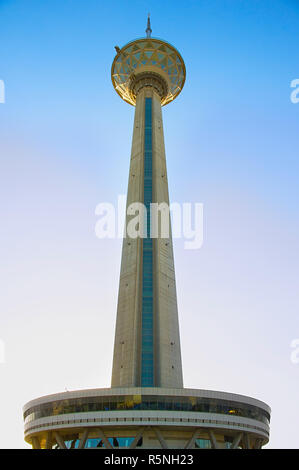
147,406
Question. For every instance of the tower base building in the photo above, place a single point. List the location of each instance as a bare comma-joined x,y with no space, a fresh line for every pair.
148,418
147,406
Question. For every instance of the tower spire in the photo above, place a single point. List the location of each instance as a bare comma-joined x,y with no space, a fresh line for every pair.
148,29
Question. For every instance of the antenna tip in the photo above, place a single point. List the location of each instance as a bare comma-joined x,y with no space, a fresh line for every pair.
148,29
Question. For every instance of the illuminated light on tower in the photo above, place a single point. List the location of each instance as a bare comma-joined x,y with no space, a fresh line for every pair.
147,405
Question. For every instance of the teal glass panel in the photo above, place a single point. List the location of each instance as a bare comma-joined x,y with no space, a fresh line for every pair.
147,340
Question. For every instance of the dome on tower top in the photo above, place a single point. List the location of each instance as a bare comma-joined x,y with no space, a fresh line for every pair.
148,55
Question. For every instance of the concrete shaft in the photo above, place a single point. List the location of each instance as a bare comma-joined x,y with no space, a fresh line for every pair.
128,352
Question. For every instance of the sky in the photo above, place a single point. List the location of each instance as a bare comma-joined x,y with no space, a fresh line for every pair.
231,143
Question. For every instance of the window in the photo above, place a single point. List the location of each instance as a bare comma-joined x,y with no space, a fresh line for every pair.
147,355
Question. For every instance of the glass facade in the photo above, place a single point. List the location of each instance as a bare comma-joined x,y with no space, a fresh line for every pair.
203,444
146,402
147,343
96,443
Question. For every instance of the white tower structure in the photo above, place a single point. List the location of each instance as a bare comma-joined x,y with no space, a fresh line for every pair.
147,406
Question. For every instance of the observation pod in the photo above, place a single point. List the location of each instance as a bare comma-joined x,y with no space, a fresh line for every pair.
148,59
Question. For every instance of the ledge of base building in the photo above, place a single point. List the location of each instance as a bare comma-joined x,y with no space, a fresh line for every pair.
135,417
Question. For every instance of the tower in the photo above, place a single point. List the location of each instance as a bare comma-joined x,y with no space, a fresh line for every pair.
148,74
147,406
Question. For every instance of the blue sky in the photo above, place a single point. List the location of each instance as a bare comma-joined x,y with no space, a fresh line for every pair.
231,144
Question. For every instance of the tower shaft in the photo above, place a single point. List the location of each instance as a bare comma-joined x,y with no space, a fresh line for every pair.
147,343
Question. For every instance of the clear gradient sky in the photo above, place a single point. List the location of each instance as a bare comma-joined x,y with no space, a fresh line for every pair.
231,144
